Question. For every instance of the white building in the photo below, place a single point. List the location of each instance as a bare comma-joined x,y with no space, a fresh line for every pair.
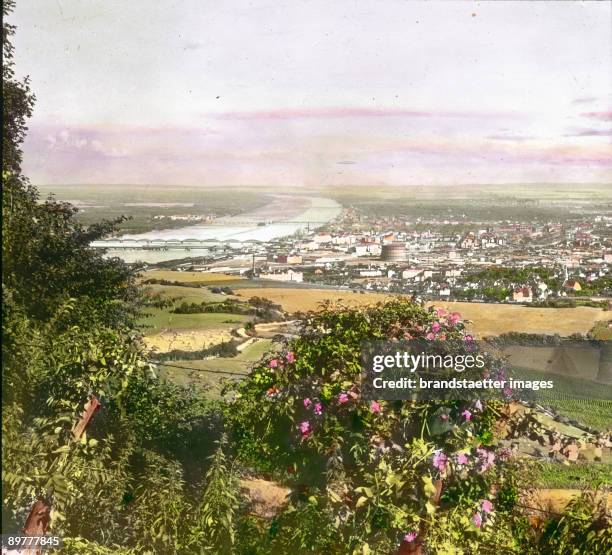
289,275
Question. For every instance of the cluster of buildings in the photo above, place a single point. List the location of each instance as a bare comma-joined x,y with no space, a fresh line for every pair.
433,263
440,260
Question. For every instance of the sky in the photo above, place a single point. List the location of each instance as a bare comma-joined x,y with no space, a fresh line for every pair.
314,93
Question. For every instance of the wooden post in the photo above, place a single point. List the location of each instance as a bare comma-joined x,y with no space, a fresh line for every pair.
91,407
36,524
39,518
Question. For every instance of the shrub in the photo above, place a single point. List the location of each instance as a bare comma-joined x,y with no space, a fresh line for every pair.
379,473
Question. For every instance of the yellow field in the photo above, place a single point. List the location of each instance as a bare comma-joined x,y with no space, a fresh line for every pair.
188,277
186,340
489,319
556,500
294,300
493,319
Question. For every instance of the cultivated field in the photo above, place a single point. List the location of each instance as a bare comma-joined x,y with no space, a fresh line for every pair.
166,331
488,319
190,372
495,319
193,278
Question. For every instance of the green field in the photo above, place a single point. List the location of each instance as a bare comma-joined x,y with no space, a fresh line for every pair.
523,202
577,398
185,294
157,319
143,202
579,475
197,372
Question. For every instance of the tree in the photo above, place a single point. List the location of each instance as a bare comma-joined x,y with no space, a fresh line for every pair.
17,102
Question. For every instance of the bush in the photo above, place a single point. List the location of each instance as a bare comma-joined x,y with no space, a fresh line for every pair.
376,472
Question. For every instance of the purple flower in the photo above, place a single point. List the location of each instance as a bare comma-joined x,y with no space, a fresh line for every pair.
410,536
439,460
343,398
375,407
467,415
487,506
318,409
462,459
477,520
307,403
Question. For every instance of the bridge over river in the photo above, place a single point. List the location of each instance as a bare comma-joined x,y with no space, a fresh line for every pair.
277,221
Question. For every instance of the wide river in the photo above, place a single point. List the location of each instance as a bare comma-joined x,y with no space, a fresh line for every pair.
284,215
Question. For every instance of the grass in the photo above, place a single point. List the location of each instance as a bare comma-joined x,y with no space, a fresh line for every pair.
143,202
162,319
579,475
186,294
194,372
193,278
577,398
165,331
602,330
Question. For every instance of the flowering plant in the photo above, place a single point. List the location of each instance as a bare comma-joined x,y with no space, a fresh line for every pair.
386,473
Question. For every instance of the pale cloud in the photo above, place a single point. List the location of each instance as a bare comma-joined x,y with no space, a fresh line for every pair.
313,93
603,116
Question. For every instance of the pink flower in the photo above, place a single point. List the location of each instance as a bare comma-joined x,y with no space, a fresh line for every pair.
343,398
410,537
487,506
440,312
307,402
462,459
439,460
477,520
444,417
442,337
478,405
467,415
454,318
290,357
469,338
486,459
430,336
435,327
318,409
305,428
375,407
273,363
